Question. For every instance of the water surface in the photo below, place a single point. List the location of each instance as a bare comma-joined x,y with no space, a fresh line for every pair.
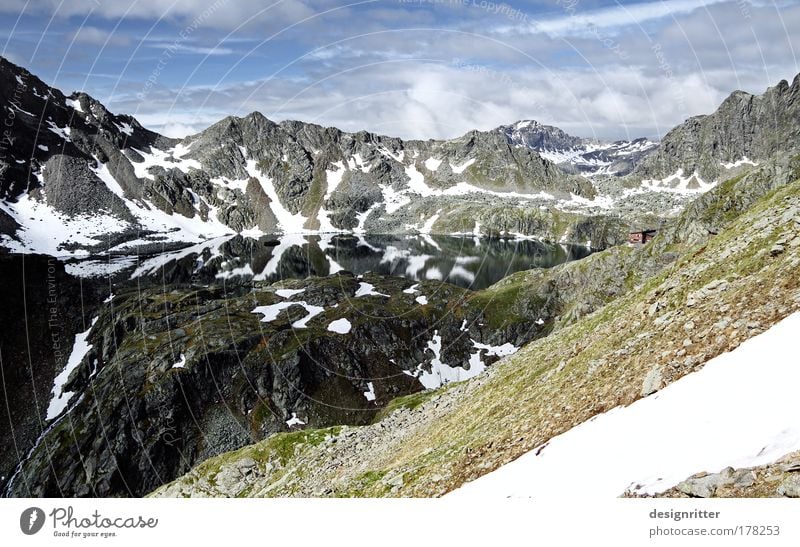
469,262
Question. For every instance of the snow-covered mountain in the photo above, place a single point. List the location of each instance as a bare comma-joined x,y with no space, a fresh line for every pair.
77,179
575,154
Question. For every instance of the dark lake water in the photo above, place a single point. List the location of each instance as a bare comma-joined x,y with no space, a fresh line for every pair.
469,262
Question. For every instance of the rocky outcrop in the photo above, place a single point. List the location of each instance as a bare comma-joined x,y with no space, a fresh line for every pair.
72,188
780,479
755,127
252,173
45,123
217,377
706,216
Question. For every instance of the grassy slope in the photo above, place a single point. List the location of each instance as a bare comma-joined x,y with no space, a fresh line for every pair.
737,289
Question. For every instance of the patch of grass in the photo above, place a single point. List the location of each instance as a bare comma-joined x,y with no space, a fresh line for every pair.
407,401
501,303
284,445
364,485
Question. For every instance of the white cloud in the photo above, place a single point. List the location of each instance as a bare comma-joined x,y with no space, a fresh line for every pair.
186,48
410,83
424,100
98,37
579,22
178,130
177,124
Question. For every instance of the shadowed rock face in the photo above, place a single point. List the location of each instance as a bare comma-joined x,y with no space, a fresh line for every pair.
41,313
39,115
172,378
72,188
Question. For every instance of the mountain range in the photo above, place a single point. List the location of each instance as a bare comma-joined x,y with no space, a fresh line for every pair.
78,179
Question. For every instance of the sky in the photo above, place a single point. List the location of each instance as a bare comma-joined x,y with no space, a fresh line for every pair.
408,68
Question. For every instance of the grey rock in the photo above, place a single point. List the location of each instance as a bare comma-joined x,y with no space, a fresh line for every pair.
744,479
653,382
73,189
396,481
790,467
790,487
706,485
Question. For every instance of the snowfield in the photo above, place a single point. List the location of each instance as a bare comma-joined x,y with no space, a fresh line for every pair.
740,410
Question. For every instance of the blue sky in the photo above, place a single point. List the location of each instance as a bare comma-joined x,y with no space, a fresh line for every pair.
412,68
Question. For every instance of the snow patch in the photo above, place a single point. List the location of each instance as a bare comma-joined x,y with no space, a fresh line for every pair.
362,219
442,373
289,223
432,164
125,128
412,289
677,183
458,169
294,421
367,289
285,243
392,199
334,178
340,326
272,311
79,350
288,293
242,271
369,395
181,362
695,424
88,269
738,163
168,159
63,132
75,105
428,226
45,230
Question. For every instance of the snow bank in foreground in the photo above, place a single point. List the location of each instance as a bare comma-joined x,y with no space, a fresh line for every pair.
740,410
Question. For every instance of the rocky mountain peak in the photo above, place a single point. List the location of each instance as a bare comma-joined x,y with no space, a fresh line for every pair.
745,129
577,154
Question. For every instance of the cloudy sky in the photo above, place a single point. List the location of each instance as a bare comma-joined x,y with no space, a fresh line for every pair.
411,68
